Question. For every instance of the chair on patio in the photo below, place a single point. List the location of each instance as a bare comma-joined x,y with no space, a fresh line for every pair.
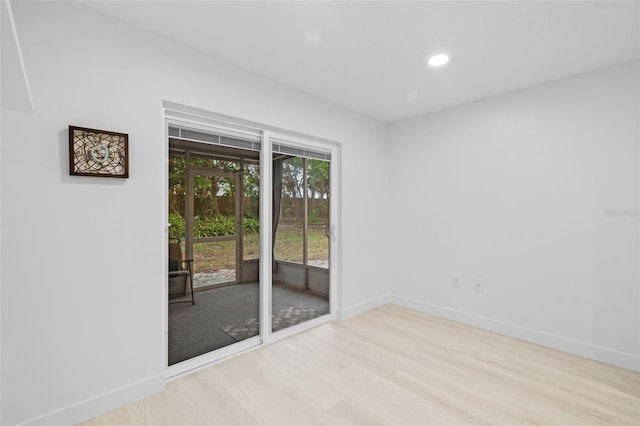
180,271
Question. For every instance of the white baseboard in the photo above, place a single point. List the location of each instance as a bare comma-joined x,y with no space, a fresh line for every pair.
101,404
363,306
575,347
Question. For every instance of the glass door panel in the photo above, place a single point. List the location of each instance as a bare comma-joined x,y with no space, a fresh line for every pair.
214,198
300,290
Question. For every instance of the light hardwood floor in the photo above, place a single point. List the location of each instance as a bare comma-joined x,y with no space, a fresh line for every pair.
395,366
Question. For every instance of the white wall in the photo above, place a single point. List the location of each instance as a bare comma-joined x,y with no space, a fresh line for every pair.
536,192
82,276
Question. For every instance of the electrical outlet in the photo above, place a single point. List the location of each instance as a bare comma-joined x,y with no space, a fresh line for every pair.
455,281
478,285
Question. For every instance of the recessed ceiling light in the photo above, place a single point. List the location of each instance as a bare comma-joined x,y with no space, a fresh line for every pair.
438,60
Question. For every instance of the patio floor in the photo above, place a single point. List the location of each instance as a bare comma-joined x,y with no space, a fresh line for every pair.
198,329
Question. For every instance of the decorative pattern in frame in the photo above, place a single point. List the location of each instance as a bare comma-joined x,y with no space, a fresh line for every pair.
98,153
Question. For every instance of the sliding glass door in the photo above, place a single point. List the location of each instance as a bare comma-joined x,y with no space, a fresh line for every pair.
244,267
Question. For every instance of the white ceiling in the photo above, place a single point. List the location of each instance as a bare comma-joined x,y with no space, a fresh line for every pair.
370,56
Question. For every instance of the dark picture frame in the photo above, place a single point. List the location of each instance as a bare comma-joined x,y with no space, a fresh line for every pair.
98,153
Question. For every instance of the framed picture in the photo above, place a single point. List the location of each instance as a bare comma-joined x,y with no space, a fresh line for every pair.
98,153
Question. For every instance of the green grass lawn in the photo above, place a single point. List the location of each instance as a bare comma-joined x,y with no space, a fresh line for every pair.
209,257
289,243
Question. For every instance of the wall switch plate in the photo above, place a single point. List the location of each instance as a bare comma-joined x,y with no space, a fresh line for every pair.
455,281
478,285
